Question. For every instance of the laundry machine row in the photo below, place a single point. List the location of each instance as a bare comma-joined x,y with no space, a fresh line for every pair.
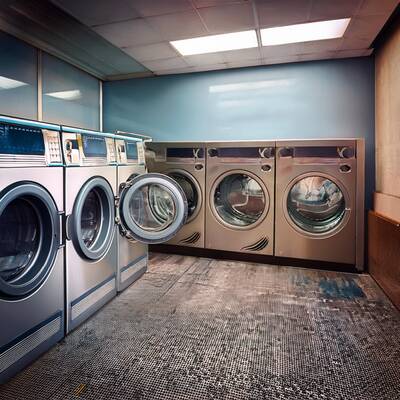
301,199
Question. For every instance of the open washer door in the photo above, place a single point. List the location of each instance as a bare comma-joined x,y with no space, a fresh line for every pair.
153,207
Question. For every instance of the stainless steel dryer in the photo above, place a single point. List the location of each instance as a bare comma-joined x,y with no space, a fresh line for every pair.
90,189
320,200
131,254
240,188
31,244
185,163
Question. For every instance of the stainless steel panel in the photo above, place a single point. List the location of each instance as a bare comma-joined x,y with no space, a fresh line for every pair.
257,237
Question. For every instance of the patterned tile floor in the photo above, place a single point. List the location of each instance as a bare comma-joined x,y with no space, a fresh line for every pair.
196,328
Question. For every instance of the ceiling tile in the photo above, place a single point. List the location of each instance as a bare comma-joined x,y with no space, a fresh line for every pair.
328,9
129,33
321,55
366,27
283,12
210,67
354,44
97,12
282,50
228,18
378,7
281,60
321,46
176,71
178,26
240,55
204,59
245,63
210,3
150,52
168,63
148,8
353,53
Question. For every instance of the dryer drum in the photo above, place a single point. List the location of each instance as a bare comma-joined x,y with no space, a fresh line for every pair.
316,204
239,200
29,238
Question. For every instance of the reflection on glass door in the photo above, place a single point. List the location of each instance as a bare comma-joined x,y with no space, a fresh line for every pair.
316,204
19,239
240,200
152,207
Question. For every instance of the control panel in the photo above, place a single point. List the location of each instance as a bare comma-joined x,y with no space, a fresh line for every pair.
31,145
53,146
88,149
129,152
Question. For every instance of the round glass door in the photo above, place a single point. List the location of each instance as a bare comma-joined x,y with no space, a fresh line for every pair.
316,204
29,239
192,191
239,200
153,208
91,224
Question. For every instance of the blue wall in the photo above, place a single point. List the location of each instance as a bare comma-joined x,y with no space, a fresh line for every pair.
332,98
19,87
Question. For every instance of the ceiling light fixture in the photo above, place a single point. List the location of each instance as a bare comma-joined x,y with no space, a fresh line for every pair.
216,43
304,32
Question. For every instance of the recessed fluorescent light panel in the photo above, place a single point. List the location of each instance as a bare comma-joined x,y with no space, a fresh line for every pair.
304,32
216,43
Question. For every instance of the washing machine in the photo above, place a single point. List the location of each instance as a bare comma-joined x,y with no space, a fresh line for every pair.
240,187
132,255
320,200
31,242
91,249
185,163
151,208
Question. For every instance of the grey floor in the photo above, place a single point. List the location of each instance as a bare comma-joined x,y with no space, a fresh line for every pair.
196,328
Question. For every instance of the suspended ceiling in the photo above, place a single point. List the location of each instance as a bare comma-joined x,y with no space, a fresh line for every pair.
123,38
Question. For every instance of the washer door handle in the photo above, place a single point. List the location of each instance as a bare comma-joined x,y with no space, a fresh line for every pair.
68,222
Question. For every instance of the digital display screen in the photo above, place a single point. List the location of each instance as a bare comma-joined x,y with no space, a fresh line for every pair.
94,146
131,151
316,152
185,152
21,140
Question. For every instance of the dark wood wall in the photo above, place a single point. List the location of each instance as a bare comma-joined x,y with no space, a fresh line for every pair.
384,254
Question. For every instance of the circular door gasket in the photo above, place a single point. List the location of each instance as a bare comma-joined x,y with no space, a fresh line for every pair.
95,249
38,264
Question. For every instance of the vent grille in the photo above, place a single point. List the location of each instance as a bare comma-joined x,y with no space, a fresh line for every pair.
25,346
257,246
127,273
193,238
91,299
16,160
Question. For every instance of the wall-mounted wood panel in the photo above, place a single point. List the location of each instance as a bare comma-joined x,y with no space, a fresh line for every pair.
387,113
384,254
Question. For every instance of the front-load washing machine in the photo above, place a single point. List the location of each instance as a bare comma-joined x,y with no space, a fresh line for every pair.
320,200
31,242
131,254
151,209
90,189
240,187
185,163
